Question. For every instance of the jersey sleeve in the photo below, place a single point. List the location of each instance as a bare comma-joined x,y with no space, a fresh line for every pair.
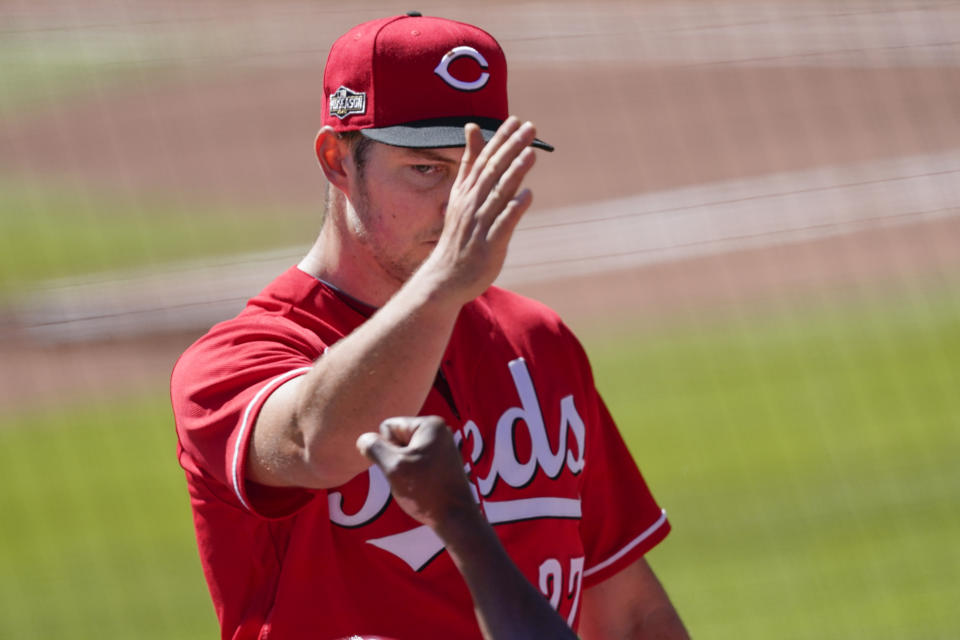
621,519
217,389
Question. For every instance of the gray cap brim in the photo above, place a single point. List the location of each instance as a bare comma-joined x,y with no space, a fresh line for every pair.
438,133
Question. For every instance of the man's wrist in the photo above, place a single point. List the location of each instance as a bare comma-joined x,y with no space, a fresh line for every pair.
463,528
443,286
429,290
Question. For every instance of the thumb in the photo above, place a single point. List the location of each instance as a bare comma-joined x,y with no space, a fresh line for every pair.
374,447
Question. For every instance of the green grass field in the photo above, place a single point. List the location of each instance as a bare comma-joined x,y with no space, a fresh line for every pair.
808,461
97,540
44,65
38,73
52,230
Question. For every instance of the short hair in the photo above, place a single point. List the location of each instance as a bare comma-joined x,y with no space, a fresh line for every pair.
359,145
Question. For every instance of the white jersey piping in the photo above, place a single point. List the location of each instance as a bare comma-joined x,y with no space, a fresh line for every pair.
244,426
633,543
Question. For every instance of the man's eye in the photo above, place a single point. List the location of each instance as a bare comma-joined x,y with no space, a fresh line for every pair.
425,169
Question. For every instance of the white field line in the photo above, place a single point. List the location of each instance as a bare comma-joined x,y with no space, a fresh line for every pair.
615,234
731,215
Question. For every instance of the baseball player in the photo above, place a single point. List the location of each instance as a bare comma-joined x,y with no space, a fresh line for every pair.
392,313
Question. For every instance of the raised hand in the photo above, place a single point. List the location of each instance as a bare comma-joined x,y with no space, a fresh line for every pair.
485,205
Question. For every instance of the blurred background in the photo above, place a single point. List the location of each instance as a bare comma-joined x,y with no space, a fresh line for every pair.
752,220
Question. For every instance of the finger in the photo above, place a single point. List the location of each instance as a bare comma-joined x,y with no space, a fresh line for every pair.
430,429
500,156
398,430
503,227
503,134
505,159
506,189
511,179
474,146
374,447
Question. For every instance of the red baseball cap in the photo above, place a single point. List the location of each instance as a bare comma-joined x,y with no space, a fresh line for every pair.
415,81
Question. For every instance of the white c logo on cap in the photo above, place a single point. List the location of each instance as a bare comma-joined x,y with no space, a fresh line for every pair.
443,71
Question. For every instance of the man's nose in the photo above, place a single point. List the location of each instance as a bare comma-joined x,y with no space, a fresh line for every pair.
445,190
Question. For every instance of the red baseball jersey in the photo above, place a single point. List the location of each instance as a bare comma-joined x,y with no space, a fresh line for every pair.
544,458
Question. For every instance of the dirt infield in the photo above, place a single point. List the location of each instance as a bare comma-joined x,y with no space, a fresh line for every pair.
245,138
623,125
699,291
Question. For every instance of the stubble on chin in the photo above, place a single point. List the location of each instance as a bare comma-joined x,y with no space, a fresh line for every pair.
398,267
402,268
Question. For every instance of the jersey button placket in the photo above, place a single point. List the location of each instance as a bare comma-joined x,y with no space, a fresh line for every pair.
460,436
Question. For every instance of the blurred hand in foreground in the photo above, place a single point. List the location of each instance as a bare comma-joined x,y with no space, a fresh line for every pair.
420,460
422,464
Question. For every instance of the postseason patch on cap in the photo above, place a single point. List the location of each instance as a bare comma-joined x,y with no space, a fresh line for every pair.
346,102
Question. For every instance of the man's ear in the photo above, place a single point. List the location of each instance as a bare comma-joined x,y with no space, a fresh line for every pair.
333,154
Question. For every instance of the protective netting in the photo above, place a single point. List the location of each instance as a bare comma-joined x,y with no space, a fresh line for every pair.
752,216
